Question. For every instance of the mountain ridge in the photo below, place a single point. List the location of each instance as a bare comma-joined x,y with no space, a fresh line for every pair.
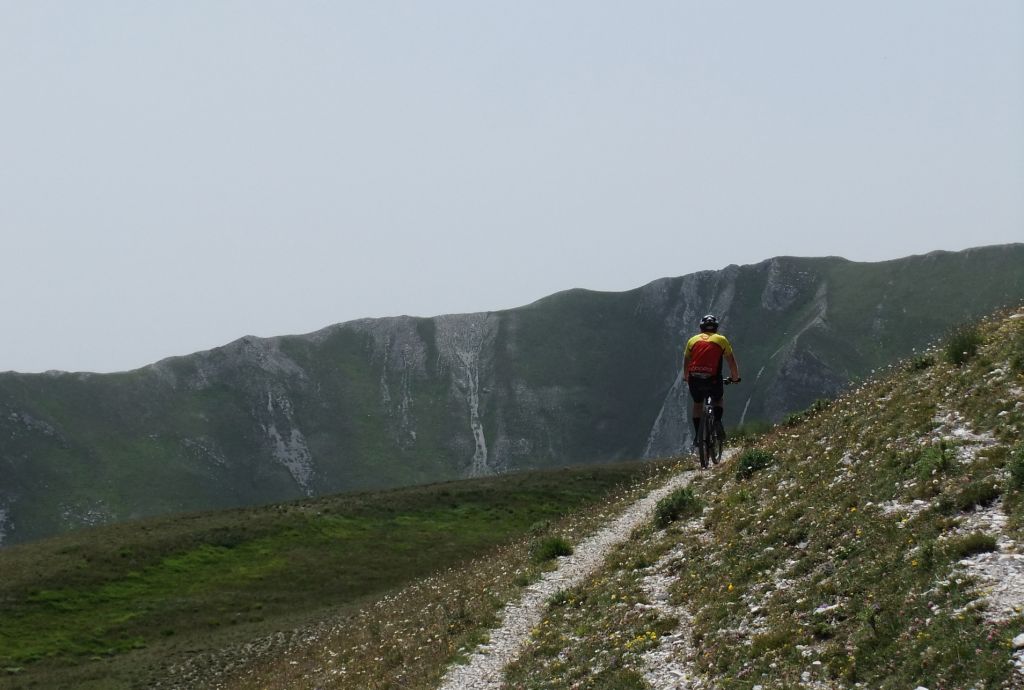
576,377
316,332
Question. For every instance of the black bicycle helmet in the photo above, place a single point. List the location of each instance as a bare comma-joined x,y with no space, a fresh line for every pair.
709,323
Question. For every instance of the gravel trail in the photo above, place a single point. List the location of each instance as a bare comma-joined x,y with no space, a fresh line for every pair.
486,665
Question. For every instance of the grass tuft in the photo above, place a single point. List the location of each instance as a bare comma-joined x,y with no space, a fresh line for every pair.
794,418
560,598
753,461
679,504
749,431
1017,467
978,495
971,545
933,461
1017,353
921,362
963,344
550,548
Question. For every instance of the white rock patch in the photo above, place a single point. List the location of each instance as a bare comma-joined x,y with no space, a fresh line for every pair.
289,449
668,665
895,507
3,525
462,340
1000,573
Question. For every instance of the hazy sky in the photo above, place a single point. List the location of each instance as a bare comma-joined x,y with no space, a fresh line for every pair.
177,174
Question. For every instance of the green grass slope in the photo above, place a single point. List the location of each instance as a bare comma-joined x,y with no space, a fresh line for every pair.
872,542
113,607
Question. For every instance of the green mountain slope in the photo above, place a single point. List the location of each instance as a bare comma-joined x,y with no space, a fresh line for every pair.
579,377
876,542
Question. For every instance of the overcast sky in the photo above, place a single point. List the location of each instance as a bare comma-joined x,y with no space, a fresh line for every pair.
177,174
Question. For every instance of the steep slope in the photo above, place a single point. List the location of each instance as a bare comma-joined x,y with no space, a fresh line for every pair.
874,542
578,377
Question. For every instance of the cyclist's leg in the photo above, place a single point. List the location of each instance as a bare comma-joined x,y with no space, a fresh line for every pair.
719,405
697,395
703,439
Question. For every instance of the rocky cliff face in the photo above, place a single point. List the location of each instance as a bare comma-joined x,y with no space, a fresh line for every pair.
575,378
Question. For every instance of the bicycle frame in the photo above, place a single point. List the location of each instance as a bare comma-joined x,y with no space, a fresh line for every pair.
709,442
709,445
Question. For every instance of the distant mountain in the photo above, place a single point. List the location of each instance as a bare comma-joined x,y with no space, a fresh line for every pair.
577,377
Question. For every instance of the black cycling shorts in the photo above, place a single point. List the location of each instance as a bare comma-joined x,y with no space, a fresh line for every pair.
701,388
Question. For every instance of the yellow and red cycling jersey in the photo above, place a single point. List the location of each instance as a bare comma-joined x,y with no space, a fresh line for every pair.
705,351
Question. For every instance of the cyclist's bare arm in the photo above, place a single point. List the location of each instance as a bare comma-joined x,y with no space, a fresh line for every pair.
734,368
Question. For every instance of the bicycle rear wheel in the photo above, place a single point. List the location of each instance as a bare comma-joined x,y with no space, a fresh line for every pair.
704,443
715,447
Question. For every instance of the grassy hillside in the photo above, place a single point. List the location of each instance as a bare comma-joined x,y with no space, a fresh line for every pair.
112,607
865,543
874,541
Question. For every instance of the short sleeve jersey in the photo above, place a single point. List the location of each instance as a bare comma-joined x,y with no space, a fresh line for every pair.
705,351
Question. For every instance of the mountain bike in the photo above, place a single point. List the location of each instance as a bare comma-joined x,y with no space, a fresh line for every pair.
709,437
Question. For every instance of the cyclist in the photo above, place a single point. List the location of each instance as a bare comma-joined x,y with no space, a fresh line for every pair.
702,370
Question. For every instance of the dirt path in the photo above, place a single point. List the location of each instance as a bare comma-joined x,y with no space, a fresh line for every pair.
486,666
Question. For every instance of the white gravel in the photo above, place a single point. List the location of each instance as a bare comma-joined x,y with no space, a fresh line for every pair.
668,666
999,573
486,665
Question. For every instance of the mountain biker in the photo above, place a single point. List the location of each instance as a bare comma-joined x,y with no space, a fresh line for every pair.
702,370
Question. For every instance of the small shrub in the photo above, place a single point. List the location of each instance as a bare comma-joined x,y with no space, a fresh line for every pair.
926,555
550,548
978,494
640,562
1017,467
680,503
1016,360
539,528
963,344
792,419
819,405
752,461
1017,353
922,362
559,598
932,461
972,544
749,431
773,639
795,535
